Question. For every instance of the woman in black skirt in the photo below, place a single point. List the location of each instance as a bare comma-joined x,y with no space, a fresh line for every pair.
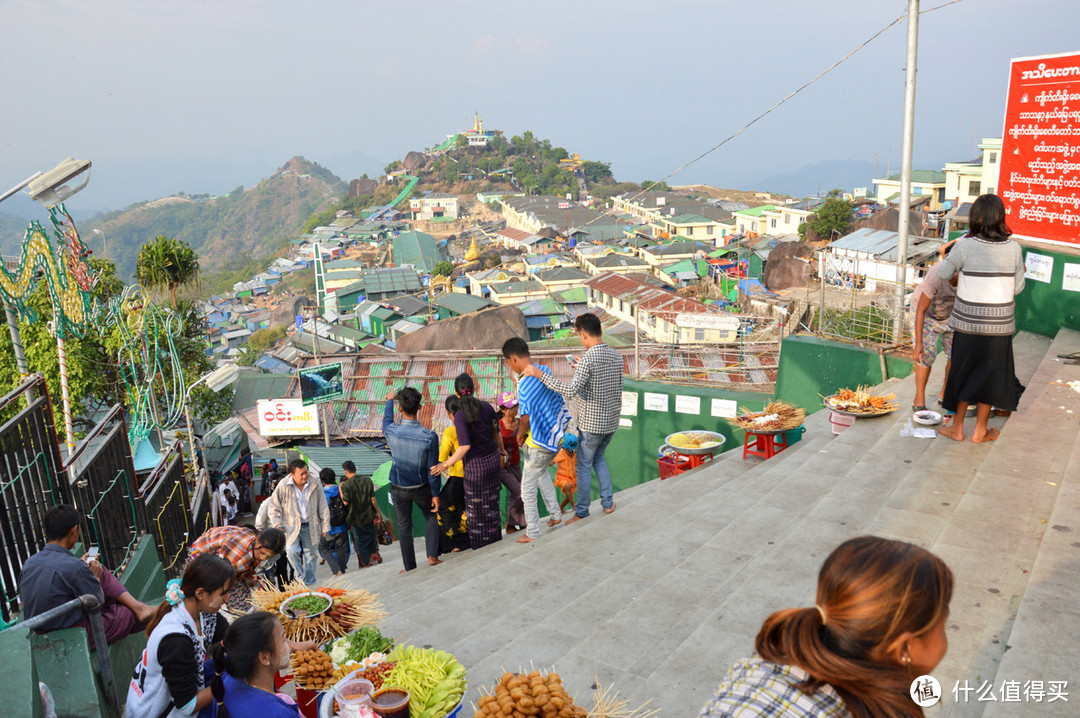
480,448
991,274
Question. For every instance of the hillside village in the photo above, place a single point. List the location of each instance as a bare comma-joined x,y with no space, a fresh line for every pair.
642,259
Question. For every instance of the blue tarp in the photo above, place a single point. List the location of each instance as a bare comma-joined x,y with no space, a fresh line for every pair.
144,457
752,286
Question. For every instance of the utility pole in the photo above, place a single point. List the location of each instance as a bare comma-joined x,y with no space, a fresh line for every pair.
315,348
904,228
16,344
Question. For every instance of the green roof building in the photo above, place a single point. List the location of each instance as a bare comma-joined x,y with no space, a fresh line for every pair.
418,249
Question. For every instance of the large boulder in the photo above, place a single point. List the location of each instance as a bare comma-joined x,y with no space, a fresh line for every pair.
414,161
284,314
361,187
788,266
486,329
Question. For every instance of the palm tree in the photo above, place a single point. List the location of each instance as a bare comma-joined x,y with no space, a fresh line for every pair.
166,264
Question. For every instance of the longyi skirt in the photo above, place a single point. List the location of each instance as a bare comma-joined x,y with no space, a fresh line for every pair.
982,372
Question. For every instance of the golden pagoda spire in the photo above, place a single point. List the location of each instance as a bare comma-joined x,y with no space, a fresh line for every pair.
474,251
478,125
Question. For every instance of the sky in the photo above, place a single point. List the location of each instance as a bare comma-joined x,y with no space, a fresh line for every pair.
200,95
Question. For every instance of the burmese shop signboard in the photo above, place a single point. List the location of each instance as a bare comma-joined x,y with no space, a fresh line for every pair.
1039,177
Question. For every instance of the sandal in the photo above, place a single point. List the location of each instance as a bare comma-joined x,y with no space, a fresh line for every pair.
917,409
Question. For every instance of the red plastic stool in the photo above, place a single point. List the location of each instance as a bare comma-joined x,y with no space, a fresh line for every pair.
765,445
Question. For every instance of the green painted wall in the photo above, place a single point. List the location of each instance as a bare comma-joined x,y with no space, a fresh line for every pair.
1043,308
632,454
811,367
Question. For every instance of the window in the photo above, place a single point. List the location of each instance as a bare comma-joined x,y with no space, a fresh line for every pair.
993,157
689,231
772,222
974,187
710,229
990,190
699,335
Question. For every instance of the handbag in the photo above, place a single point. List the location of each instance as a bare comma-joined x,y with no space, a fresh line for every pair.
383,533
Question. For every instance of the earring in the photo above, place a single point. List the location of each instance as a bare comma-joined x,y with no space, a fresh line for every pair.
906,659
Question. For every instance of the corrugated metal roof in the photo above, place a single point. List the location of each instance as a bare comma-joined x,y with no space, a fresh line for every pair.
418,249
883,244
463,303
250,387
384,281
365,457
368,378
652,299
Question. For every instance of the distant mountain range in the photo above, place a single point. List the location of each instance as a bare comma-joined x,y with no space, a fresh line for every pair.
819,177
231,230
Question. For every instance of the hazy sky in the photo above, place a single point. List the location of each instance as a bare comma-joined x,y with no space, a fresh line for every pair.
646,85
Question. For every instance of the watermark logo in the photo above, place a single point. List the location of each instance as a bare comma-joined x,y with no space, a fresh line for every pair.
925,691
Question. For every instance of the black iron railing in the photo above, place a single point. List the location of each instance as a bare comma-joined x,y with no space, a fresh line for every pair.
31,482
166,496
106,491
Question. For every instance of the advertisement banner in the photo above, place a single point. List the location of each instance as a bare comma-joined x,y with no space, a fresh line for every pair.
1040,153
287,417
321,383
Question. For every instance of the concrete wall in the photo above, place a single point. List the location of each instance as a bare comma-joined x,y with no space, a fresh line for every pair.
1044,308
811,367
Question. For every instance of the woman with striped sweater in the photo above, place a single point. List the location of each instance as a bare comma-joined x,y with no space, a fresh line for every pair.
991,273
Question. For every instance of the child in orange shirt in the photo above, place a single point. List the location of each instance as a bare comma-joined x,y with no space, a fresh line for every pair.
566,473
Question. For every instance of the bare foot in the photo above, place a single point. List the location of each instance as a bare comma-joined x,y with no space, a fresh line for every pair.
433,561
511,530
611,510
991,435
525,539
573,519
145,613
402,570
552,523
456,550
953,432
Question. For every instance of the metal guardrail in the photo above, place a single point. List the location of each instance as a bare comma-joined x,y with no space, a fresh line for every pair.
92,606
165,494
106,491
31,482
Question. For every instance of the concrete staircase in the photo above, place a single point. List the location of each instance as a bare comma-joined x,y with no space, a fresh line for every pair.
662,596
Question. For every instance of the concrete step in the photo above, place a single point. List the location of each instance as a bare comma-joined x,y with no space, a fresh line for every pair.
662,596
1035,485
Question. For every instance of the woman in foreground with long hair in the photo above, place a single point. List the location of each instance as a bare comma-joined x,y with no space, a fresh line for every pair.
878,624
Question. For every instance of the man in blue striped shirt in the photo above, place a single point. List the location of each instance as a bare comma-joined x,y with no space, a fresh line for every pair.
543,418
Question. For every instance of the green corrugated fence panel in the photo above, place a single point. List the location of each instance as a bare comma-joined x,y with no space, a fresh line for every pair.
484,367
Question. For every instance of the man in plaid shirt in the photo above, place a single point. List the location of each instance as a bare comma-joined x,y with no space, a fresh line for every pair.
598,383
241,547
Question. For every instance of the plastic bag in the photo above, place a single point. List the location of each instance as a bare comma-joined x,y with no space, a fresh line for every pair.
919,432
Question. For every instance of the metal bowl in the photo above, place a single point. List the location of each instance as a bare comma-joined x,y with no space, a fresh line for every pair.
290,599
698,451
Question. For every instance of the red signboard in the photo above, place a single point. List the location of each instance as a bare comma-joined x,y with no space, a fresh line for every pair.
1040,152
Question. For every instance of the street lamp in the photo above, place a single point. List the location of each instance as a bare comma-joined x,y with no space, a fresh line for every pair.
49,188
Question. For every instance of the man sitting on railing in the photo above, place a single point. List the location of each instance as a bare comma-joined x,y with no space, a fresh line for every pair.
54,576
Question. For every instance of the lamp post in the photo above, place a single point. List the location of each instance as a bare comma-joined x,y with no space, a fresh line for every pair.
50,189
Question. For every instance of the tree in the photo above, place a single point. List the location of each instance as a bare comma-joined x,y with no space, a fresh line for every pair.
167,264
596,171
833,216
443,269
655,187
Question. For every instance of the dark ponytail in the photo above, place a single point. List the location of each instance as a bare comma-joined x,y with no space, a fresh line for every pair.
870,591
217,686
466,391
238,654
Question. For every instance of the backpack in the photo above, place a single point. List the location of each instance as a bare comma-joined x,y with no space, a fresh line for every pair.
339,515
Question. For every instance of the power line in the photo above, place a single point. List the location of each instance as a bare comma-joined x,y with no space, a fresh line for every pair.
792,94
